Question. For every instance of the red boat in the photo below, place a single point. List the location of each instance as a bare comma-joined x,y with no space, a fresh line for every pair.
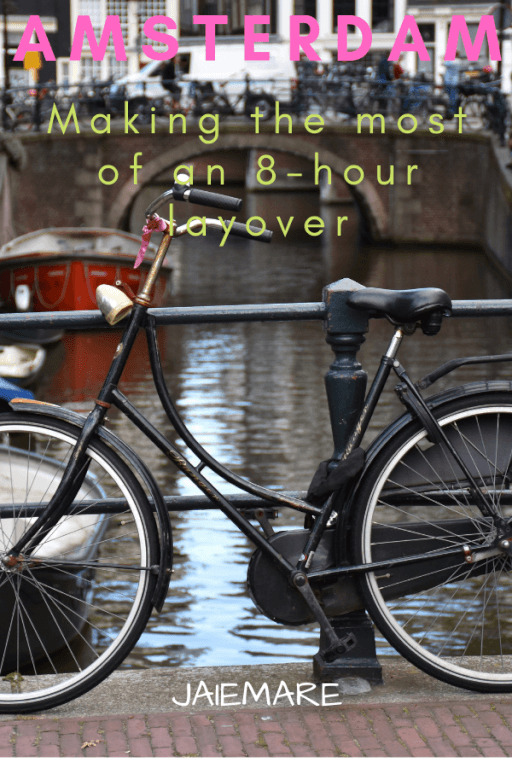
63,267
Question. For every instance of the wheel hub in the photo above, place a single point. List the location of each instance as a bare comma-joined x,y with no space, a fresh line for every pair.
12,564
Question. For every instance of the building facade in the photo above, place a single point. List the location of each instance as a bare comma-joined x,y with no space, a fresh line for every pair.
433,20
56,20
383,16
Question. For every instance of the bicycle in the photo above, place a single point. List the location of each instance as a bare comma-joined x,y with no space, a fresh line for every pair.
420,519
486,109
215,98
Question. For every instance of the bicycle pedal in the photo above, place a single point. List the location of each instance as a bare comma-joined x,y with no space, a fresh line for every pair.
342,647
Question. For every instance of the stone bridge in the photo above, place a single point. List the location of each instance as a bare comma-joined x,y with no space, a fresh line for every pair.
444,202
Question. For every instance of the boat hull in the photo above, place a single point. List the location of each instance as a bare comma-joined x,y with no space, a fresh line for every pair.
43,636
59,285
44,608
21,362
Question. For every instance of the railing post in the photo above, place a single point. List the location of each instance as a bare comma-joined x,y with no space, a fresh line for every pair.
5,116
345,383
37,109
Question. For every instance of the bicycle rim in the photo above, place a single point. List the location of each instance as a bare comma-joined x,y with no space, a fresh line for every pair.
72,610
449,617
475,115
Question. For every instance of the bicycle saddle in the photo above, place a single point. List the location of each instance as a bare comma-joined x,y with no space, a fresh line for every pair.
426,305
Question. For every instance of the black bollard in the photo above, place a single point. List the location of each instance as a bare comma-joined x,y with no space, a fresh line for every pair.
5,116
37,110
345,383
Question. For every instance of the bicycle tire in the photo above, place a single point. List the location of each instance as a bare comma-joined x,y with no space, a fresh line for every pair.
420,120
22,119
360,92
264,103
430,612
476,118
72,610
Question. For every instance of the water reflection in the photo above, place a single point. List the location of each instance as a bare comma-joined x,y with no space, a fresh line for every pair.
253,394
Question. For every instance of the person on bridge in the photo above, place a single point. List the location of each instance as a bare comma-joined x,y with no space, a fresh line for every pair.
398,70
167,77
451,84
383,73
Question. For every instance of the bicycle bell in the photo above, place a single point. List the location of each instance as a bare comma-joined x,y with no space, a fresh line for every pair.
183,179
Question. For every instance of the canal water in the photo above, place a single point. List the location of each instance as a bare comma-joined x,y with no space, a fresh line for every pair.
253,394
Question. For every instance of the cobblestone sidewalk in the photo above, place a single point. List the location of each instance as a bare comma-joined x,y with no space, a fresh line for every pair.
471,729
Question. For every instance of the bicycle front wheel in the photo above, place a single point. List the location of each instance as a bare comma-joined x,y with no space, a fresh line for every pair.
448,615
75,607
475,111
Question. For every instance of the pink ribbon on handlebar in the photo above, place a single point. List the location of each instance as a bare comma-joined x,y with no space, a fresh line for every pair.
154,224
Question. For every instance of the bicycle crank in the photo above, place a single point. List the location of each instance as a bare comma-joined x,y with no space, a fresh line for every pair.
338,646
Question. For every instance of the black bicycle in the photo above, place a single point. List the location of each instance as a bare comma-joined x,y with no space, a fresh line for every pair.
486,109
419,522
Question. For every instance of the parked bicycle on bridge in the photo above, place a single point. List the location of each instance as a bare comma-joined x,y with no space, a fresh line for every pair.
417,529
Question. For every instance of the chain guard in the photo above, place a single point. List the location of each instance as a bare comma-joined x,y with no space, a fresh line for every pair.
277,599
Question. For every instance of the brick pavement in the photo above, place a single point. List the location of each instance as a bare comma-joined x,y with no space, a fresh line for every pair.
474,728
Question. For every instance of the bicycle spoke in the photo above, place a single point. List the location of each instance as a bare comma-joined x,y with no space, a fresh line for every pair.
456,625
34,629
76,607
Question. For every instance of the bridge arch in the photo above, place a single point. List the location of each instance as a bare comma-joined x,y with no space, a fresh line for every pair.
365,193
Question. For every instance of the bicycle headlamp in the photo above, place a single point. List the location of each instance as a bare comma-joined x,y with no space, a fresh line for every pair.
113,304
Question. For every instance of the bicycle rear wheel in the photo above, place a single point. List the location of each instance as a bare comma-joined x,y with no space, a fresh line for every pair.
414,118
75,608
449,617
476,119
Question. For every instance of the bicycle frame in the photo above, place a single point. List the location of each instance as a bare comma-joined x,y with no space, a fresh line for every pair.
111,395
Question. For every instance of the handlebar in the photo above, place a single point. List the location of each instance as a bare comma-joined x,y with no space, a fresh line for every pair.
202,197
199,196
238,229
182,191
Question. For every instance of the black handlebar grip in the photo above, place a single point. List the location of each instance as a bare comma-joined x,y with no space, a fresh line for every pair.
240,230
201,197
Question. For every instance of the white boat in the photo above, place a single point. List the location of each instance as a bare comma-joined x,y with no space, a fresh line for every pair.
26,478
22,362
59,269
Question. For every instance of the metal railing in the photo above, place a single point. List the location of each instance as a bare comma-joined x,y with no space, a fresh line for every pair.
238,313
345,329
340,97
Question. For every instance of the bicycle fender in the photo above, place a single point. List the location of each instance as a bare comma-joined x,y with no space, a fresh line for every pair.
380,442
131,458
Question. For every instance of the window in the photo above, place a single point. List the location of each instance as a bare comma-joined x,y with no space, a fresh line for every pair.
91,8
305,8
118,68
63,72
382,15
98,10
118,8
343,8
147,9
428,33
484,51
235,10
89,70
